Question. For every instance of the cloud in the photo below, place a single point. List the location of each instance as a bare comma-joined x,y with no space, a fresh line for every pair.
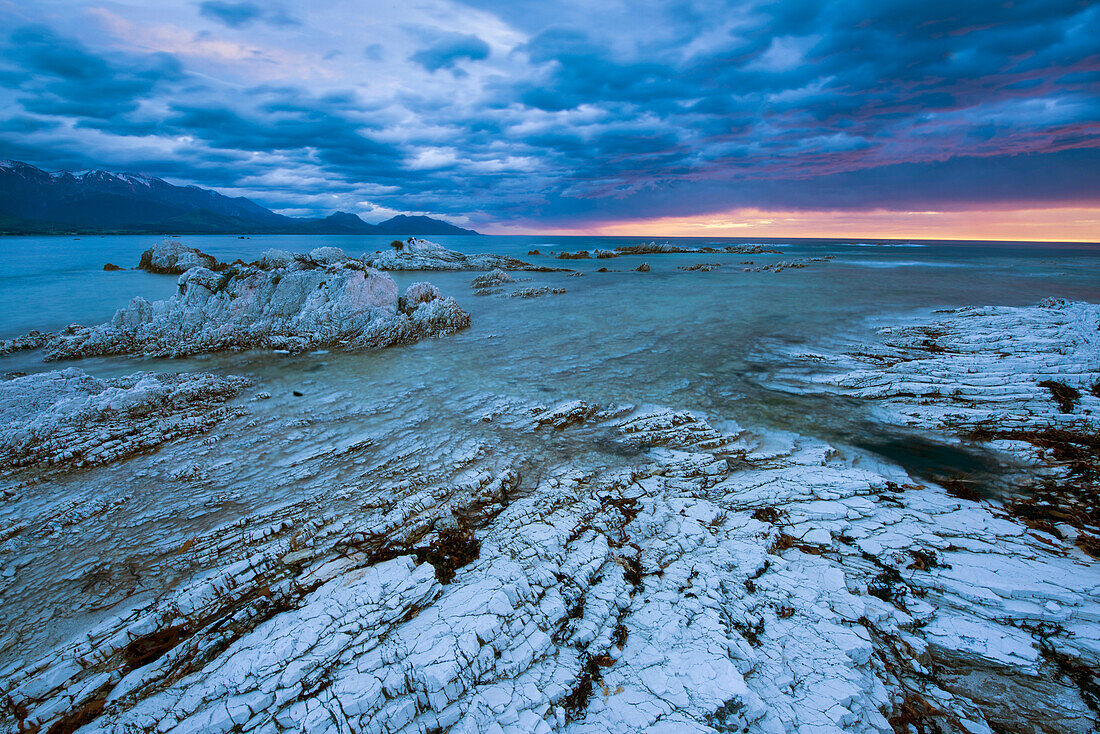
446,52
241,14
60,77
570,112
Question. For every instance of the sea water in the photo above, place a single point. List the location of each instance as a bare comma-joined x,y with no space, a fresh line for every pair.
705,341
691,339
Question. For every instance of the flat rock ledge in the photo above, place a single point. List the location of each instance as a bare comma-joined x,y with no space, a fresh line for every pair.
1023,381
68,418
670,576
584,568
287,308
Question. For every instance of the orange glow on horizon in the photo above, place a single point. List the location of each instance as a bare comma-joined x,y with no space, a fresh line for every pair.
1060,224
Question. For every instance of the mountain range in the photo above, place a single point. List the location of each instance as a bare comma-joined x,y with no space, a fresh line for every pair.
33,201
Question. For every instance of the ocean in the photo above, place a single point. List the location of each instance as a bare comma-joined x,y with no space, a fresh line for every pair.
691,339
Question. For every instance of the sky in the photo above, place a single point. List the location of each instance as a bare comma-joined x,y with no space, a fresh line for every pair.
887,118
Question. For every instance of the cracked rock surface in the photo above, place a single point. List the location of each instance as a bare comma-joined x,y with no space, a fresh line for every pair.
420,254
305,305
496,565
67,417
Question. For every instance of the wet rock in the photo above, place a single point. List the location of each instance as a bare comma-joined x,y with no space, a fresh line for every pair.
491,282
535,292
593,591
111,267
67,417
419,254
643,268
172,257
30,340
780,266
655,248
293,309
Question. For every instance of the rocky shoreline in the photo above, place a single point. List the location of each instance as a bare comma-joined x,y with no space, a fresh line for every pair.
595,568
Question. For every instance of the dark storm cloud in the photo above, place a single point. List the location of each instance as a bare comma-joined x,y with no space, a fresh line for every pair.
614,111
60,77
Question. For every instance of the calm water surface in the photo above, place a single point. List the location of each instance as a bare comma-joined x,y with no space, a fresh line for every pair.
695,340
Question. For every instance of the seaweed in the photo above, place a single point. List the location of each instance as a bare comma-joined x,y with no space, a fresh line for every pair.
769,515
83,714
751,632
1083,676
452,549
144,650
915,714
1065,396
924,560
889,587
633,572
576,701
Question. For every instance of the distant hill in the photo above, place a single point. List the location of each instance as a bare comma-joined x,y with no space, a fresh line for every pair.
33,201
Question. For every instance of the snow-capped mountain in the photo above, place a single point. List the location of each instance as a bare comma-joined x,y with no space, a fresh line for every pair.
36,201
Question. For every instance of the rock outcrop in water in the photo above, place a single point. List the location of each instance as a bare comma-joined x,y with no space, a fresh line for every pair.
664,248
172,257
491,282
30,340
418,254
780,266
67,417
305,305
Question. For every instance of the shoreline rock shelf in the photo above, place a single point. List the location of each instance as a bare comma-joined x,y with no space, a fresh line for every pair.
512,566
1023,381
67,417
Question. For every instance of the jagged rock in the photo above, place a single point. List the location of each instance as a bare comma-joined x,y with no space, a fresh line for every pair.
582,255
68,417
418,254
983,376
567,567
275,259
290,309
655,248
30,340
172,257
491,281
780,266
669,576
643,268
535,292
